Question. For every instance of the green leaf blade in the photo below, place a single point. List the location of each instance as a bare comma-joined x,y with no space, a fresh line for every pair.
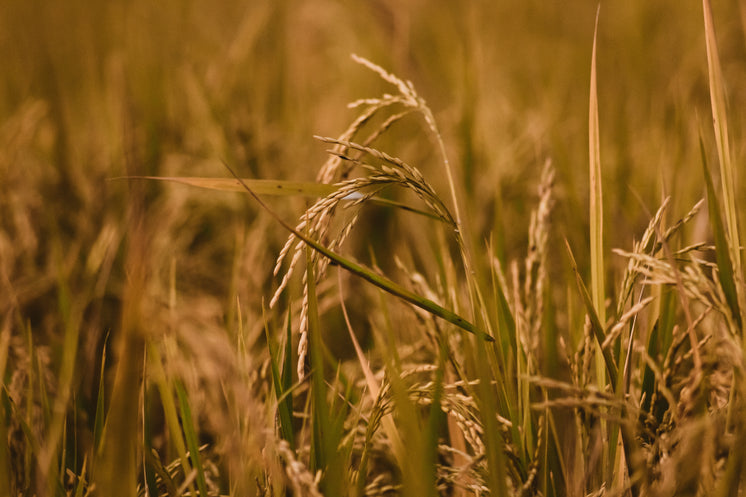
722,251
191,437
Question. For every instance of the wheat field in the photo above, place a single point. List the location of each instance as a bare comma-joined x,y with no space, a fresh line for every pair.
374,248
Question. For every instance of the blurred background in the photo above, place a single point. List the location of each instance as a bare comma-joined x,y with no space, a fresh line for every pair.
92,91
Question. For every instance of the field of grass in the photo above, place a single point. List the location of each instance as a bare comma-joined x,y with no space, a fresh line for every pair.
511,267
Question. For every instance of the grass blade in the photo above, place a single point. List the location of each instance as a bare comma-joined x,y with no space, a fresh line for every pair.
259,186
326,456
415,477
648,379
596,326
720,123
596,193
597,238
727,168
628,440
596,202
169,407
493,438
98,423
191,437
282,385
722,253
288,361
148,469
277,188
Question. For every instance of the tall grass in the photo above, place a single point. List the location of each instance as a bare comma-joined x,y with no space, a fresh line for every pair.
444,318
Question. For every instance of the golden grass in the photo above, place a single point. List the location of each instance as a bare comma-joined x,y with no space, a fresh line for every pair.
148,348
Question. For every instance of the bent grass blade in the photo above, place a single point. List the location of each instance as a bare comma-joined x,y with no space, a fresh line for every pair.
728,169
596,325
722,255
368,275
260,186
277,188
